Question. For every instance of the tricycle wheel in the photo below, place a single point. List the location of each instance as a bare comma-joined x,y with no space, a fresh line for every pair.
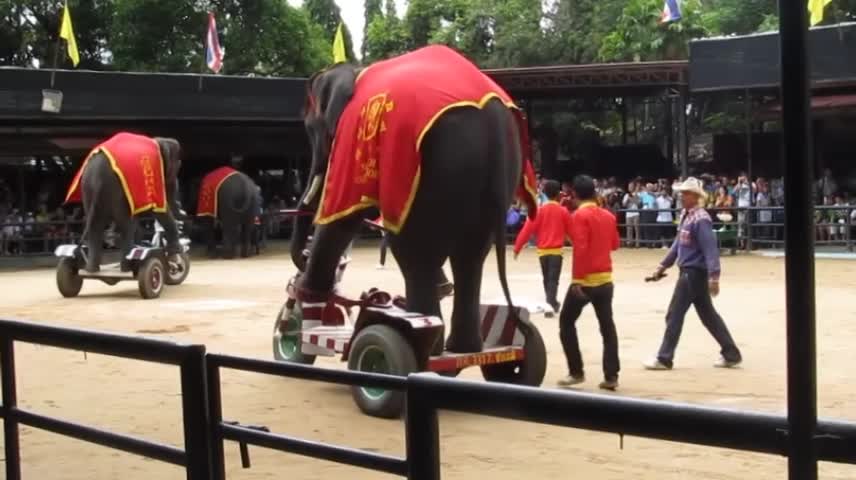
68,281
381,349
287,338
151,278
177,273
529,371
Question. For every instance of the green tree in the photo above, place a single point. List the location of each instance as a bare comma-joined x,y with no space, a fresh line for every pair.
386,36
328,15
29,32
268,37
637,35
373,9
158,35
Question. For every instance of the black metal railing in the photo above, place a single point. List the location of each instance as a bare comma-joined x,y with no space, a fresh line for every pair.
195,457
205,431
684,423
252,436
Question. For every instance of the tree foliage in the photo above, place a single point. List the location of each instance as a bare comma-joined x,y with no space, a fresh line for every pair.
328,15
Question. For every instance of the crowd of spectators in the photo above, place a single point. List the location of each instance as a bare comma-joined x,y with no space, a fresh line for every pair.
648,210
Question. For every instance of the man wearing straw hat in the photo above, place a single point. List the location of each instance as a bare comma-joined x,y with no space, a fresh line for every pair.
697,254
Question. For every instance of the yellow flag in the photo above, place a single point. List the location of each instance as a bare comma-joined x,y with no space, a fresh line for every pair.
339,46
816,8
67,32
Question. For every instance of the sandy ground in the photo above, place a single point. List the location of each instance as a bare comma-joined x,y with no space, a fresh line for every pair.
230,307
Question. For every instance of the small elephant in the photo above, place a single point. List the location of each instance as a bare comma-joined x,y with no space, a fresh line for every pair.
232,200
440,150
127,176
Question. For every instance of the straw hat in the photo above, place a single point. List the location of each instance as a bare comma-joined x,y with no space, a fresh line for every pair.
692,185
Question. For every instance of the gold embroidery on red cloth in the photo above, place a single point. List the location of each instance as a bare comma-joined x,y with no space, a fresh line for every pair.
371,124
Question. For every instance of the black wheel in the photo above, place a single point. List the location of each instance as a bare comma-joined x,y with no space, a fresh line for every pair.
287,339
381,349
151,278
178,271
530,371
68,281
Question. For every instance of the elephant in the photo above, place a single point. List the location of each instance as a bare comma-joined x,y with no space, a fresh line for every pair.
472,163
105,198
238,204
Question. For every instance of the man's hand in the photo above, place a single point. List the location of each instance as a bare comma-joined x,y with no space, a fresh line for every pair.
577,291
659,272
713,286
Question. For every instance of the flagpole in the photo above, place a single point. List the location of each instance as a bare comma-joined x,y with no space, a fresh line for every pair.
55,59
204,53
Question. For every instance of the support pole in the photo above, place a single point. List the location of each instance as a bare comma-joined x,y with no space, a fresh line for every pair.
670,128
799,242
11,436
624,121
683,135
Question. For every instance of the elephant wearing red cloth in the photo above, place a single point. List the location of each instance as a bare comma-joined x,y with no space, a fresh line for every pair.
440,150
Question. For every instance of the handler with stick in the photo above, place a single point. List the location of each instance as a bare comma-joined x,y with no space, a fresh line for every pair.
697,254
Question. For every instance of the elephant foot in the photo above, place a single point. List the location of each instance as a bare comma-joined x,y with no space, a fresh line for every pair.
91,268
463,345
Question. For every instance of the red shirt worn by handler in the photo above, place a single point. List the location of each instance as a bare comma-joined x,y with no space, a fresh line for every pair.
207,204
376,153
550,227
137,161
595,236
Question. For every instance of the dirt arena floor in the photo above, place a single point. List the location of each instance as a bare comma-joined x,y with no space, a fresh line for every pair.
230,306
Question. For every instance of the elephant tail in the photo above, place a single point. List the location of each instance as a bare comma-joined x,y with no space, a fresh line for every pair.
502,188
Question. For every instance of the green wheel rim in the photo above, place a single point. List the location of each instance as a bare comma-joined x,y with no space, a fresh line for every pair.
373,360
289,341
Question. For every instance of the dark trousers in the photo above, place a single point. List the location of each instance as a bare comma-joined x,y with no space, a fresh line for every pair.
384,244
692,289
551,268
601,298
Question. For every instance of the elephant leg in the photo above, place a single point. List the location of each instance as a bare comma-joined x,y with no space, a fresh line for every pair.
231,234
328,244
126,231
210,236
94,240
246,236
467,266
170,233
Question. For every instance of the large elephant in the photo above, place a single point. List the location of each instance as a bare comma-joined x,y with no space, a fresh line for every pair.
238,203
124,177
470,163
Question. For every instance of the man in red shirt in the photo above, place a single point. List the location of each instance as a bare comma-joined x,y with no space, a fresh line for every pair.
594,235
551,227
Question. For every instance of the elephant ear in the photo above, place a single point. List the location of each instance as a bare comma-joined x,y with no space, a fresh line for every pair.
171,153
336,88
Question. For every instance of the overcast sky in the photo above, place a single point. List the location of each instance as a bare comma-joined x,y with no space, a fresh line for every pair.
353,14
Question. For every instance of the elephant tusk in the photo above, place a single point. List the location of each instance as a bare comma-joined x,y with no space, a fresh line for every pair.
313,189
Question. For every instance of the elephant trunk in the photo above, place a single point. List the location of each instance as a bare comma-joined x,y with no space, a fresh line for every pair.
303,222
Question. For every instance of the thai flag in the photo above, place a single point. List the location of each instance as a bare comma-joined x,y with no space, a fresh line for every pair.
671,11
213,51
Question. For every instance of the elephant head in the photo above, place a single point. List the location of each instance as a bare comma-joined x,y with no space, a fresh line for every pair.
328,93
171,153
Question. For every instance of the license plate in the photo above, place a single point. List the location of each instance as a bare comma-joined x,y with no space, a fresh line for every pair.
487,358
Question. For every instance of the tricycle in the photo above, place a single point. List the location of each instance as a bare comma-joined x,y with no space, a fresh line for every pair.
381,336
149,264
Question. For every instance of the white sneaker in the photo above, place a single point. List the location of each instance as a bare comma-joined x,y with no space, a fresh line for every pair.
380,267
723,363
570,381
655,364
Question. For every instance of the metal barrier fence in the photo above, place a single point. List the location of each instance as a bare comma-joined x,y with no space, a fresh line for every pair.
24,239
196,456
745,230
205,431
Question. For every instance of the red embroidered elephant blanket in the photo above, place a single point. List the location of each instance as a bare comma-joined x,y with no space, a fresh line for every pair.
137,161
376,157
207,205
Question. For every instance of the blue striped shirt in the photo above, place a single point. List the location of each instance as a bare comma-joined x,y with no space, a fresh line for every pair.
696,245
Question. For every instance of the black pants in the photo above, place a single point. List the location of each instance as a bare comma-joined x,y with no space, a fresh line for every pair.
692,289
551,269
384,244
601,298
